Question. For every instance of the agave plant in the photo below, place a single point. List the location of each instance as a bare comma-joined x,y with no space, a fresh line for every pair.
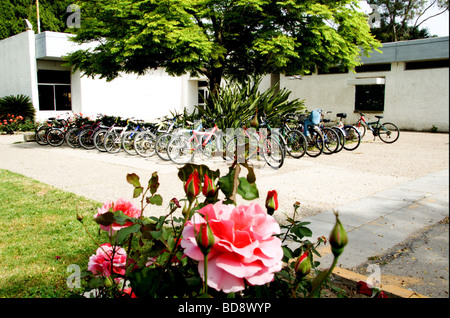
238,102
19,105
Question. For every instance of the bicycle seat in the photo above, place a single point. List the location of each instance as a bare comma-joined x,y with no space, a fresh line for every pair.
378,116
341,115
326,120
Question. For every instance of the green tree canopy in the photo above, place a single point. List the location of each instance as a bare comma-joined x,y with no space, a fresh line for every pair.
220,38
52,15
401,20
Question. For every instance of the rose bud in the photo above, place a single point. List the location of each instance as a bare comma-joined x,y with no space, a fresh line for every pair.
272,201
192,186
175,202
338,238
209,188
303,265
205,238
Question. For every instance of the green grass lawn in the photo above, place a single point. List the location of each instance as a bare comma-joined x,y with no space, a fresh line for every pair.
40,237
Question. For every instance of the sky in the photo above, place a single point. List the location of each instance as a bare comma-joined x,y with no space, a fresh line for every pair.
436,26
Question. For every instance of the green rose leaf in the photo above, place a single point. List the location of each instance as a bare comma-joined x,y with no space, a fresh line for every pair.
105,219
155,200
133,179
122,234
247,190
137,191
153,183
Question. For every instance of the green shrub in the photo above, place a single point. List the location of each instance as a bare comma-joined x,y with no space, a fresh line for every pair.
238,103
19,105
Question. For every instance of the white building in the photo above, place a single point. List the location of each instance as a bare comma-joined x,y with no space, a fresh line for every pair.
33,65
408,84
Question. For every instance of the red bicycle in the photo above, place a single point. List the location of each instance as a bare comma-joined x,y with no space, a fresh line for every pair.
388,132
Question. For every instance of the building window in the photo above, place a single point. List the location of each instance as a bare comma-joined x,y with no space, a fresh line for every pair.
369,98
332,70
426,64
373,68
54,90
203,92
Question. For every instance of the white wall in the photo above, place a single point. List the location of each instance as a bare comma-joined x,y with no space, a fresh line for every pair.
143,97
18,66
414,99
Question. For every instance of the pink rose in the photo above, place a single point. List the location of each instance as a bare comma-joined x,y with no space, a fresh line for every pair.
244,246
126,207
100,263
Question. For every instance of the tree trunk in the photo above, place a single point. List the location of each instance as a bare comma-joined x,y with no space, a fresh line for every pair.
215,80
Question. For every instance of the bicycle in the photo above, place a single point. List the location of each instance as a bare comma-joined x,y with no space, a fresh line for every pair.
42,131
74,132
387,132
247,143
129,137
331,139
100,134
181,148
57,134
314,137
162,139
292,140
113,139
350,138
87,134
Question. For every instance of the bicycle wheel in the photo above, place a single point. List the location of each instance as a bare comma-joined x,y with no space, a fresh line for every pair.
55,137
341,135
41,135
241,147
330,140
161,143
113,142
295,144
144,144
314,144
86,139
180,149
99,138
213,146
72,137
272,152
388,133
128,143
352,138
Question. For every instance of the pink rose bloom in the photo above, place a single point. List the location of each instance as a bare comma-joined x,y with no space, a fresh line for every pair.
100,263
123,205
244,249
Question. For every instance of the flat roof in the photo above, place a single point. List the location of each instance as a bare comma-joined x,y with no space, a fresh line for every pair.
408,51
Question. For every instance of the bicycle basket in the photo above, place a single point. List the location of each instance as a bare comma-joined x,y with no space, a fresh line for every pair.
314,117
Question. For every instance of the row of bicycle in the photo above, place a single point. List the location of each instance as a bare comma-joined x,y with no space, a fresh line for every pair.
298,135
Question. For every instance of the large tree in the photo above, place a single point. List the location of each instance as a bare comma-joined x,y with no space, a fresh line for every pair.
402,19
52,15
220,38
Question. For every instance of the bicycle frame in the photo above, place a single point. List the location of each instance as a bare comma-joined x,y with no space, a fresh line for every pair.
197,132
374,126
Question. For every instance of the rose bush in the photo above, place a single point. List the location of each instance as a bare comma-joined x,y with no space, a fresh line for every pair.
128,208
244,248
108,260
205,240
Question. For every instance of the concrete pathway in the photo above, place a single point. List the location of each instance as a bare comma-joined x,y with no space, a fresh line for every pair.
383,211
